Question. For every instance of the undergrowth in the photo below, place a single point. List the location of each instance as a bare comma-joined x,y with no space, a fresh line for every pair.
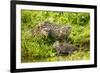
39,48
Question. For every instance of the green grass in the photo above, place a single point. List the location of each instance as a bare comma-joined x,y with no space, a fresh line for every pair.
39,48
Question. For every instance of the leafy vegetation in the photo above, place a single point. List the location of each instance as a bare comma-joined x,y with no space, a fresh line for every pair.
39,48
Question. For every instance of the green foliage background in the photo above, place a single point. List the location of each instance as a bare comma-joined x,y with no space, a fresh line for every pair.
39,48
